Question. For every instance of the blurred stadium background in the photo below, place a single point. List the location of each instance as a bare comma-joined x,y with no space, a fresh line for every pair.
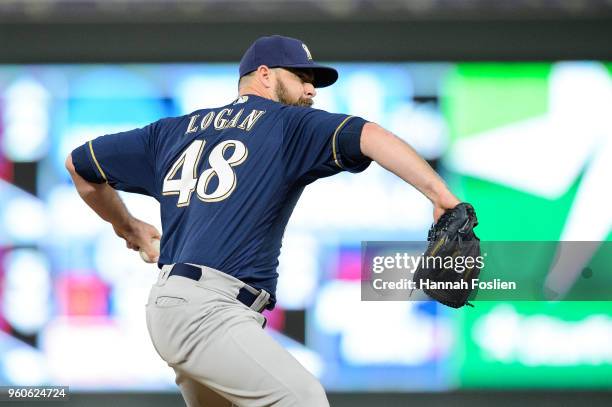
510,101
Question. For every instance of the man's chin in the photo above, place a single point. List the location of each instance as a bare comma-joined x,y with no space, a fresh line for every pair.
299,103
304,102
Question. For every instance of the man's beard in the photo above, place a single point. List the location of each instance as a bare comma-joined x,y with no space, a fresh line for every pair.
283,96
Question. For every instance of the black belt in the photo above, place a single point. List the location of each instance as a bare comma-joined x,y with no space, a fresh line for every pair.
195,273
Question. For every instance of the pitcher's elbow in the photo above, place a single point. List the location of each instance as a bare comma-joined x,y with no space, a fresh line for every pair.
69,164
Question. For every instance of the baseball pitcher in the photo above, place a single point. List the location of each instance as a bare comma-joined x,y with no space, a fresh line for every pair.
227,179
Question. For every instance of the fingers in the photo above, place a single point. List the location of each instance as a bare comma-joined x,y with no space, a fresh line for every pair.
144,238
155,233
151,249
131,246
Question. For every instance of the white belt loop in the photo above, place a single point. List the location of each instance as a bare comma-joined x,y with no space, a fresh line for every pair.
164,273
261,301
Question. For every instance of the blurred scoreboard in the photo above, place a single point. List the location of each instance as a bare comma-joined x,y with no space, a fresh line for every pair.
72,297
194,10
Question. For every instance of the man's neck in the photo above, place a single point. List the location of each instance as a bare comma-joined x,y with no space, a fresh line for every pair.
253,90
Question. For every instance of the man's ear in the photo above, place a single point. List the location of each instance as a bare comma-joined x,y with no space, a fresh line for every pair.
265,75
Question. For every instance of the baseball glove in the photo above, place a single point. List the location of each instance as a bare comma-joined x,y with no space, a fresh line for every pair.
452,261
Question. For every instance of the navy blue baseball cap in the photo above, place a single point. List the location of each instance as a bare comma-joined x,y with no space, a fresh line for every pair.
277,51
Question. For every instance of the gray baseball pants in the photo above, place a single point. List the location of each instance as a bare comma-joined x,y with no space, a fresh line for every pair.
218,349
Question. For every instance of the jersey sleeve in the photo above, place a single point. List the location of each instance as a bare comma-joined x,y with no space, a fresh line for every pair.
124,160
318,144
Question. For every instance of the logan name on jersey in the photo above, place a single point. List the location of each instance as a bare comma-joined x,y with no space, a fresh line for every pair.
224,119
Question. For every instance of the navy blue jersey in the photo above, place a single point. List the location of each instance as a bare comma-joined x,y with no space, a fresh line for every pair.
227,178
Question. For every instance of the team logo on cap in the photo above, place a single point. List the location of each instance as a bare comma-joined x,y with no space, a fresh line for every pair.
307,51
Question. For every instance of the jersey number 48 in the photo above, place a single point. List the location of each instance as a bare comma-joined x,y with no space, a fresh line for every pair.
220,167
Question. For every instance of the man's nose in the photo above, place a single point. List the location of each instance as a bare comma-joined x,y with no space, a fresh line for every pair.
310,90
